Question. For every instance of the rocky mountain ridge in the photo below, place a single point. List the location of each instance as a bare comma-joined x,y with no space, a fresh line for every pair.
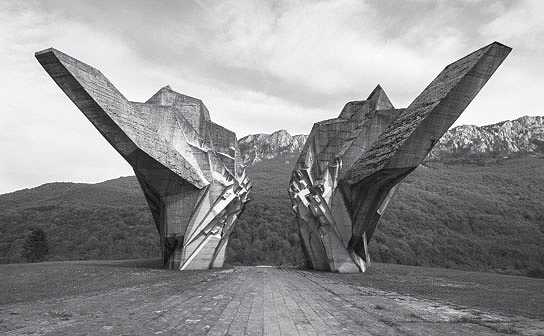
522,135
257,147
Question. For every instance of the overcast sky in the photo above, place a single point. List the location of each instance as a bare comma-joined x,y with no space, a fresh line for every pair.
259,66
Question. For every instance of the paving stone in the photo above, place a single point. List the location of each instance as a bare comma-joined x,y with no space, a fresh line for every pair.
252,301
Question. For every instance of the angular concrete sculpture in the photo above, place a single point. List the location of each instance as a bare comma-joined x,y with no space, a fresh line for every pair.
188,167
350,166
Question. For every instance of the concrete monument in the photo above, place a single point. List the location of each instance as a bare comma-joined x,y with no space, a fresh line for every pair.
189,168
350,166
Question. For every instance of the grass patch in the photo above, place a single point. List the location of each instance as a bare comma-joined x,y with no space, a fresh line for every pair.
388,322
503,329
464,319
63,315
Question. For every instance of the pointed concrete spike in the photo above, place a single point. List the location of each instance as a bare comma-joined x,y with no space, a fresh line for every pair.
379,96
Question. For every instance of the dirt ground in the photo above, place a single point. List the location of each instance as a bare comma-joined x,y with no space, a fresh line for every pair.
139,298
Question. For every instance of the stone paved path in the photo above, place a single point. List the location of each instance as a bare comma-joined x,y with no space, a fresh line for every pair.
251,301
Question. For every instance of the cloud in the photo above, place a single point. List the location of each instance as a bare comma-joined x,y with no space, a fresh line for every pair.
521,26
258,65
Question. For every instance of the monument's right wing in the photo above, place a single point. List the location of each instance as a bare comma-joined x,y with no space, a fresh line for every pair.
351,165
408,140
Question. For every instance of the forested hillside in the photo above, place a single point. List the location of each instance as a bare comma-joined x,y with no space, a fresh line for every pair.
81,221
266,233
483,215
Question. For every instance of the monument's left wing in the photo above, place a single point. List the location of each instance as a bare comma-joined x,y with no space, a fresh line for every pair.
113,115
188,167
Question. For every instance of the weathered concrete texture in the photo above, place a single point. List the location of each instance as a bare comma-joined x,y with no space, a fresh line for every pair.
350,166
188,167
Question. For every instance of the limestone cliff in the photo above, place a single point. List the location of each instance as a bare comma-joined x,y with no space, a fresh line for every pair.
522,135
256,147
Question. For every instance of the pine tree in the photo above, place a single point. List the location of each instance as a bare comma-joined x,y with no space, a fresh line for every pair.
35,248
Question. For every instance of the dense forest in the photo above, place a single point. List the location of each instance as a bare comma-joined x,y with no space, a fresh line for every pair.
486,215
108,220
267,231
483,214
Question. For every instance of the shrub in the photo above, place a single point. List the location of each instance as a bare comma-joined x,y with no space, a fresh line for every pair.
35,248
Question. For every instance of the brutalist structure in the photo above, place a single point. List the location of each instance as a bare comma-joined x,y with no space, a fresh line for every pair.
350,166
189,168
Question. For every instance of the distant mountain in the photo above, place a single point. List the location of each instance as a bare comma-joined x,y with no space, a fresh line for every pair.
524,135
258,147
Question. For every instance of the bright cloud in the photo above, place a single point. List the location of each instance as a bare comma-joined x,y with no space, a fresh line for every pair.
258,65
